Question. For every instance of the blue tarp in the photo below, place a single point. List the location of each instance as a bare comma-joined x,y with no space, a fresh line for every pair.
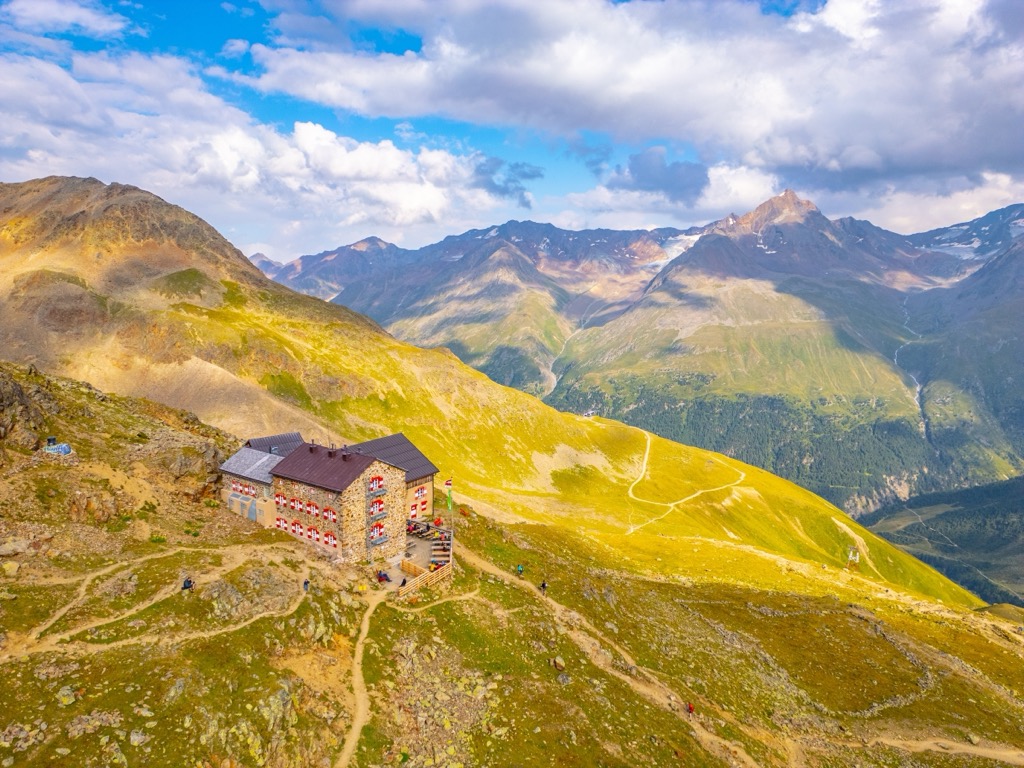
62,448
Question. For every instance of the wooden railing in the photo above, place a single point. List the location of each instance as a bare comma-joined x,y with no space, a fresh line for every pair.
408,566
425,578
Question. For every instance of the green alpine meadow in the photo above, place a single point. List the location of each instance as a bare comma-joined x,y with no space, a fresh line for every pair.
696,610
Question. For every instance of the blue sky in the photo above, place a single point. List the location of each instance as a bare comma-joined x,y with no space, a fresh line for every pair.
295,126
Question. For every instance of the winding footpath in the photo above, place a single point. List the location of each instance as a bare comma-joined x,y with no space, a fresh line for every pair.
592,642
361,715
34,642
670,504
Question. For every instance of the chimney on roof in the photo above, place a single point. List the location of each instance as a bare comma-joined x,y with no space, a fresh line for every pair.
344,453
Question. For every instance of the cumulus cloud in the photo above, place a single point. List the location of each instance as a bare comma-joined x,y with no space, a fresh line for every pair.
864,106
234,48
49,16
918,210
149,121
878,90
503,179
727,189
650,171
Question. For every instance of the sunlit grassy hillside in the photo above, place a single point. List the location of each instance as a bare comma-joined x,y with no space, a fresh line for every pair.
200,328
785,661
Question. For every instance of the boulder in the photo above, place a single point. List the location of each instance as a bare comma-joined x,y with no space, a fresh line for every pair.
138,738
66,696
14,547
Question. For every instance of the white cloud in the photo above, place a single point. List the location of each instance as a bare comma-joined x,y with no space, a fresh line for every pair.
918,211
729,190
906,113
859,85
735,189
149,121
234,48
49,16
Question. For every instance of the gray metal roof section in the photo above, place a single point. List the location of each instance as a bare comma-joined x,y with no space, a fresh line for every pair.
280,445
329,468
252,465
398,451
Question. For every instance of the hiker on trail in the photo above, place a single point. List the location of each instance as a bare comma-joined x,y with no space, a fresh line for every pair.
543,587
403,582
519,570
689,708
188,585
305,586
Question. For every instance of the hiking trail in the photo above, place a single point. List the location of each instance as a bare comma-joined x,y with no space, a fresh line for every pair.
361,715
670,504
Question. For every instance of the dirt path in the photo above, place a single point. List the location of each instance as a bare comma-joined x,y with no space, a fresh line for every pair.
593,643
89,578
362,699
598,649
1004,755
32,643
452,598
670,504
162,639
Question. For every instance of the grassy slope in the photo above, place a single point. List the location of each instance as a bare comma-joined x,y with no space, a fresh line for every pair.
211,334
512,453
744,634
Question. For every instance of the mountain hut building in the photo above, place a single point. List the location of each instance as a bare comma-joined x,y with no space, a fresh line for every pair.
419,470
279,445
355,501
342,500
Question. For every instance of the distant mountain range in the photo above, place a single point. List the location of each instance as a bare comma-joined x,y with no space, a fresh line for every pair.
865,365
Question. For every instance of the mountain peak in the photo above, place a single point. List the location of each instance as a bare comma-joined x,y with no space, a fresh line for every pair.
372,243
785,208
781,209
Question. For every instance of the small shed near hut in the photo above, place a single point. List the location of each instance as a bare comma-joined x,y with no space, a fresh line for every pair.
248,485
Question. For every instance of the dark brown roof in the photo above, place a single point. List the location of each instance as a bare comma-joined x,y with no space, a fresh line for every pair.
323,467
398,451
279,445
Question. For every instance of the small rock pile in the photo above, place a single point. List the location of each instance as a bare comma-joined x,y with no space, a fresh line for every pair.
438,705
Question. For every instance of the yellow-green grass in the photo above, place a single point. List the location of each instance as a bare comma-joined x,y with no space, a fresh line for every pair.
229,696
25,606
534,711
504,449
806,361
186,612
774,655
152,576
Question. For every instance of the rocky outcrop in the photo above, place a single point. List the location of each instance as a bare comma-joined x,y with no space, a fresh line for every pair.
93,508
22,417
